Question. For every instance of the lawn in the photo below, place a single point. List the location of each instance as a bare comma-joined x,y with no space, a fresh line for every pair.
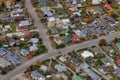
2,0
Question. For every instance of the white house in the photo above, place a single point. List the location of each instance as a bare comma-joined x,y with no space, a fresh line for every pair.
87,54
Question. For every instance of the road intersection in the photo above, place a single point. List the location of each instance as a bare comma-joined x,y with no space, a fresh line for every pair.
51,52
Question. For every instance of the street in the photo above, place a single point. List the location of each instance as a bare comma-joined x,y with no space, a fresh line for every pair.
51,52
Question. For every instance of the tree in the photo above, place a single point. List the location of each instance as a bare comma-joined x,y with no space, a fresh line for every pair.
102,42
38,63
46,63
73,67
32,53
86,20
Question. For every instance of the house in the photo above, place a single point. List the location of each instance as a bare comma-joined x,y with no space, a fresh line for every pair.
7,27
77,13
72,26
87,54
24,23
118,45
82,33
106,61
2,51
34,40
4,63
96,50
109,49
66,39
37,76
60,68
108,6
57,39
44,68
75,38
13,58
22,28
50,24
103,69
93,75
26,33
66,21
34,47
12,42
78,78
48,13
76,61
50,19
95,2
63,59
24,52
117,71
118,62
99,31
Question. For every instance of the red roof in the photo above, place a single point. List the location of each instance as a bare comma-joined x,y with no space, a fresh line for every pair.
22,27
75,38
17,19
108,6
26,33
118,62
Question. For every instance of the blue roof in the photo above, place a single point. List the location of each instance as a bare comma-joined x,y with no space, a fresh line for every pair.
82,33
99,30
37,75
2,50
11,40
77,13
93,75
24,52
117,71
34,47
34,40
12,57
60,68
72,26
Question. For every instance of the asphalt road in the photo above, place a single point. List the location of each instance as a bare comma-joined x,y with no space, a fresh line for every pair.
55,53
52,53
38,24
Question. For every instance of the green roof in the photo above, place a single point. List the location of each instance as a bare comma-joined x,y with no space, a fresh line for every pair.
105,60
78,78
66,38
118,44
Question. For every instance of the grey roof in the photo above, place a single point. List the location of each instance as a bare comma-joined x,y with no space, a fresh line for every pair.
34,40
2,51
37,75
34,47
77,61
24,52
104,68
60,68
93,75
99,30
117,71
13,58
